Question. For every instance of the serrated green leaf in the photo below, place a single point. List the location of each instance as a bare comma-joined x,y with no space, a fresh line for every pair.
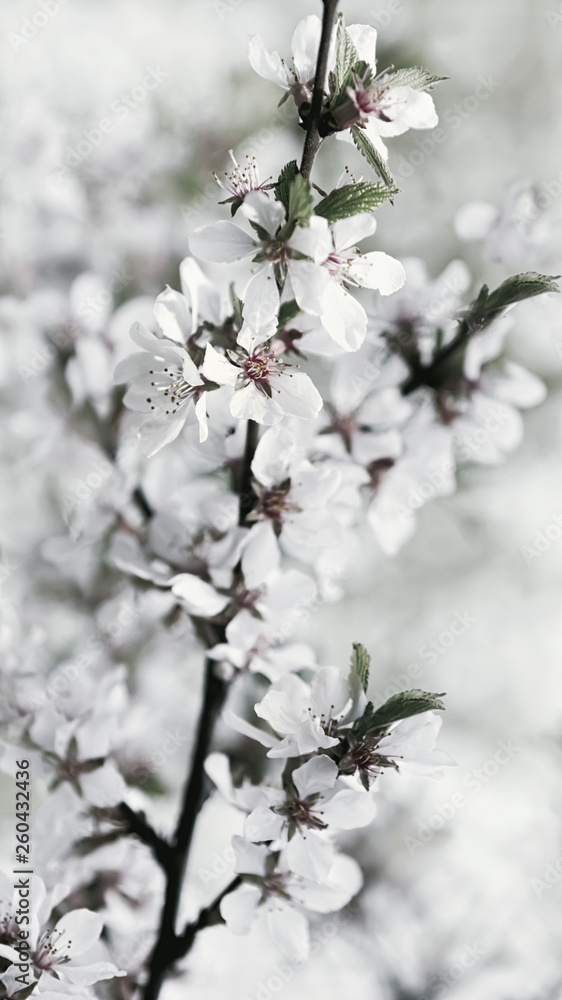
401,706
283,187
352,199
366,148
515,289
360,663
412,76
300,202
346,54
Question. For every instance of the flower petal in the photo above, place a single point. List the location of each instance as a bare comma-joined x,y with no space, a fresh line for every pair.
261,304
310,856
76,932
304,44
288,929
297,395
172,315
364,38
317,775
349,809
348,232
268,65
261,555
378,270
238,909
198,596
247,729
251,404
221,243
258,207
217,368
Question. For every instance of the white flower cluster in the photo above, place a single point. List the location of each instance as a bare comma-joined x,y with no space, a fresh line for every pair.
228,487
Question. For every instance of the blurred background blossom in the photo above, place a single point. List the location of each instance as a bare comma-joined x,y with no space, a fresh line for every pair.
114,116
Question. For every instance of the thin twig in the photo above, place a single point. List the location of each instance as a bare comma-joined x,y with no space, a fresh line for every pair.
141,828
209,914
169,945
247,495
426,375
165,950
313,139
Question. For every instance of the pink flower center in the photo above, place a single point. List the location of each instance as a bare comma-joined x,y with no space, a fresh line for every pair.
49,951
301,813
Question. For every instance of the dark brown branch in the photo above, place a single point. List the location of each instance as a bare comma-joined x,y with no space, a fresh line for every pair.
165,950
426,375
313,139
173,857
247,495
209,915
141,828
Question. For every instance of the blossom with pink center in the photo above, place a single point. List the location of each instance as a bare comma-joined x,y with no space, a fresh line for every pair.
264,390
295,77
164,384
319,260
378,105
279,897
241,181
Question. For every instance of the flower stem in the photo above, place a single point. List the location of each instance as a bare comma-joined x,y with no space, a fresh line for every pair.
426,375
313,138
169,945
246,493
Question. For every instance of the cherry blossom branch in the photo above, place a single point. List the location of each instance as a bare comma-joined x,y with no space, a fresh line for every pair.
313,138
165,951
141,828
246,493
210,914
170,946
424,375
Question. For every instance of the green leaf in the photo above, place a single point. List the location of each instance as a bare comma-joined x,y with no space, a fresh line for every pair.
360,663
352,199
401,706
519,287
287,312
346,54
237,306
412,76
366,148
300,202
283,186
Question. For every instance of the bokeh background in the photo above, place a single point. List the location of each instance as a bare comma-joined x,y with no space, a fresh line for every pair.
464,876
